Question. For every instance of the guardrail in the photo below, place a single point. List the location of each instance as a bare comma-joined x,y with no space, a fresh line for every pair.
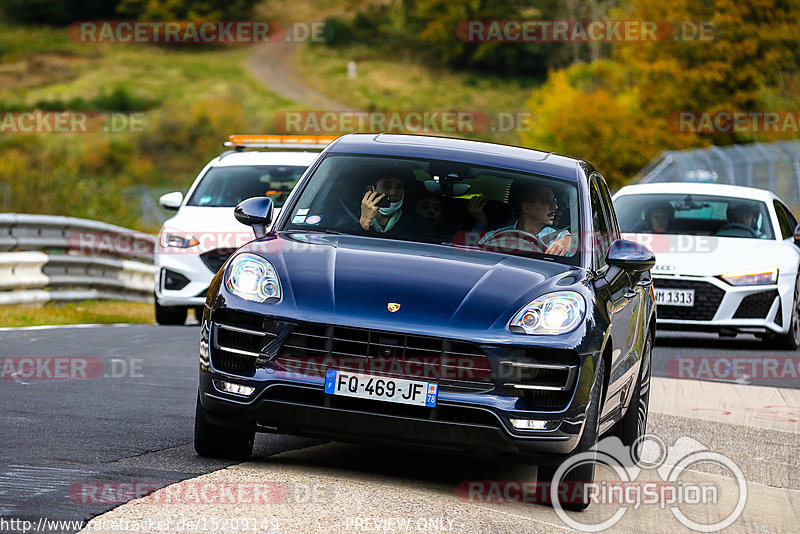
52,258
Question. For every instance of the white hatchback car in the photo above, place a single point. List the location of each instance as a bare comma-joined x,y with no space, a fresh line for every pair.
726,257
197,241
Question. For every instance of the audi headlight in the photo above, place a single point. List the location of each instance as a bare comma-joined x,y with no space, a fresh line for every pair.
177,240
252,277
759,277
553,313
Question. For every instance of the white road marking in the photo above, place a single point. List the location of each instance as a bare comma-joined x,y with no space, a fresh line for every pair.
58,326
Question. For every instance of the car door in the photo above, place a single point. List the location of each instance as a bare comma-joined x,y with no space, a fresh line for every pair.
786,220
622,302
639,282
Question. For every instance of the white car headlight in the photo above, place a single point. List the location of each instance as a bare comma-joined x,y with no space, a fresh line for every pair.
175,239
553,313
252,277
759,277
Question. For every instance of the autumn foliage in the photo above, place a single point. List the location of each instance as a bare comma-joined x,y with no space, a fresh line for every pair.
615,112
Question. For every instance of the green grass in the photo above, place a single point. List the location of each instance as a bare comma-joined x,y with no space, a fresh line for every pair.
386,82
16,41
194,98
84,312
154,74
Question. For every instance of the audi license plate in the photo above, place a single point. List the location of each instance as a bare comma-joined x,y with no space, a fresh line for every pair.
675,297
384,388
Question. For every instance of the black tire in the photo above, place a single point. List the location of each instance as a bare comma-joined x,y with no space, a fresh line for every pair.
791,339
215,441
580,477
633,424
170,315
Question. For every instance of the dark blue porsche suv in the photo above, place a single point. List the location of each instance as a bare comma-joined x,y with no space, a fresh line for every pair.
436,293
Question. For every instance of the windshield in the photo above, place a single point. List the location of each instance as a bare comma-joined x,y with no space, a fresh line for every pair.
442,202
694,215
225,187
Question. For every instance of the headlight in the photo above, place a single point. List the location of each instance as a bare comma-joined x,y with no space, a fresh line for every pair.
751,278
177,240
252,277
554,313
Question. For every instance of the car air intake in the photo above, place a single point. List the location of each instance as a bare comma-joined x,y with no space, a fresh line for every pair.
756,306
173,281
237,340
215,259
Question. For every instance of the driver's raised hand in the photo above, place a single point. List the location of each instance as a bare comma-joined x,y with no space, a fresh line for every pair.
475,208
369,207
559,247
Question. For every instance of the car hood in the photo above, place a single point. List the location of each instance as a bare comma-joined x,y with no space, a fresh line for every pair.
442,287
712,256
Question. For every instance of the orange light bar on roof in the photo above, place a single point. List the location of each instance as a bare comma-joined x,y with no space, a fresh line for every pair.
245,140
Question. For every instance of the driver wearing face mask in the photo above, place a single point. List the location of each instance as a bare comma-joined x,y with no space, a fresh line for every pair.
392,186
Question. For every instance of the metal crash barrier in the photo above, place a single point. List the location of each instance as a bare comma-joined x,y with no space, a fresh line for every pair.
52,258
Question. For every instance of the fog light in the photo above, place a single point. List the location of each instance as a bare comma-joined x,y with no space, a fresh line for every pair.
533,424
236,389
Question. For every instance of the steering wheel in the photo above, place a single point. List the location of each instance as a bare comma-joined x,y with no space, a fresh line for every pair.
513,240
737,226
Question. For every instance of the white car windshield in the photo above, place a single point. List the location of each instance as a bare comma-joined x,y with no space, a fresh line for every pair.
441,202
225,187
684,214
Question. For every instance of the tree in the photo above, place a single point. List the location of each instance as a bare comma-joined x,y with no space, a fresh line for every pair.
192,10
755,50
590,111
58,13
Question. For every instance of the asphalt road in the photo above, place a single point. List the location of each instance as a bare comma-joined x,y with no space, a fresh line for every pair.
744,359
133,423
130,419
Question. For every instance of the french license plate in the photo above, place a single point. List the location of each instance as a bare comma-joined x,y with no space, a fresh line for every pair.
384,388
675,297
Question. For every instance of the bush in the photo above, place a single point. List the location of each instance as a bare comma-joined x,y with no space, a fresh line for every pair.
118,99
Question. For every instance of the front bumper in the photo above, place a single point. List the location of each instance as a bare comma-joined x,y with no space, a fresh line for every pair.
469,418
720,307
190,266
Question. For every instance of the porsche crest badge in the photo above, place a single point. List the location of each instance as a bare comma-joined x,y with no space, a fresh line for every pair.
393,306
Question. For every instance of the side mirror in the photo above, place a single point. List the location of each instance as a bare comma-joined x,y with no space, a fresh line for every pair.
797,235
171,201
255,212
630,256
